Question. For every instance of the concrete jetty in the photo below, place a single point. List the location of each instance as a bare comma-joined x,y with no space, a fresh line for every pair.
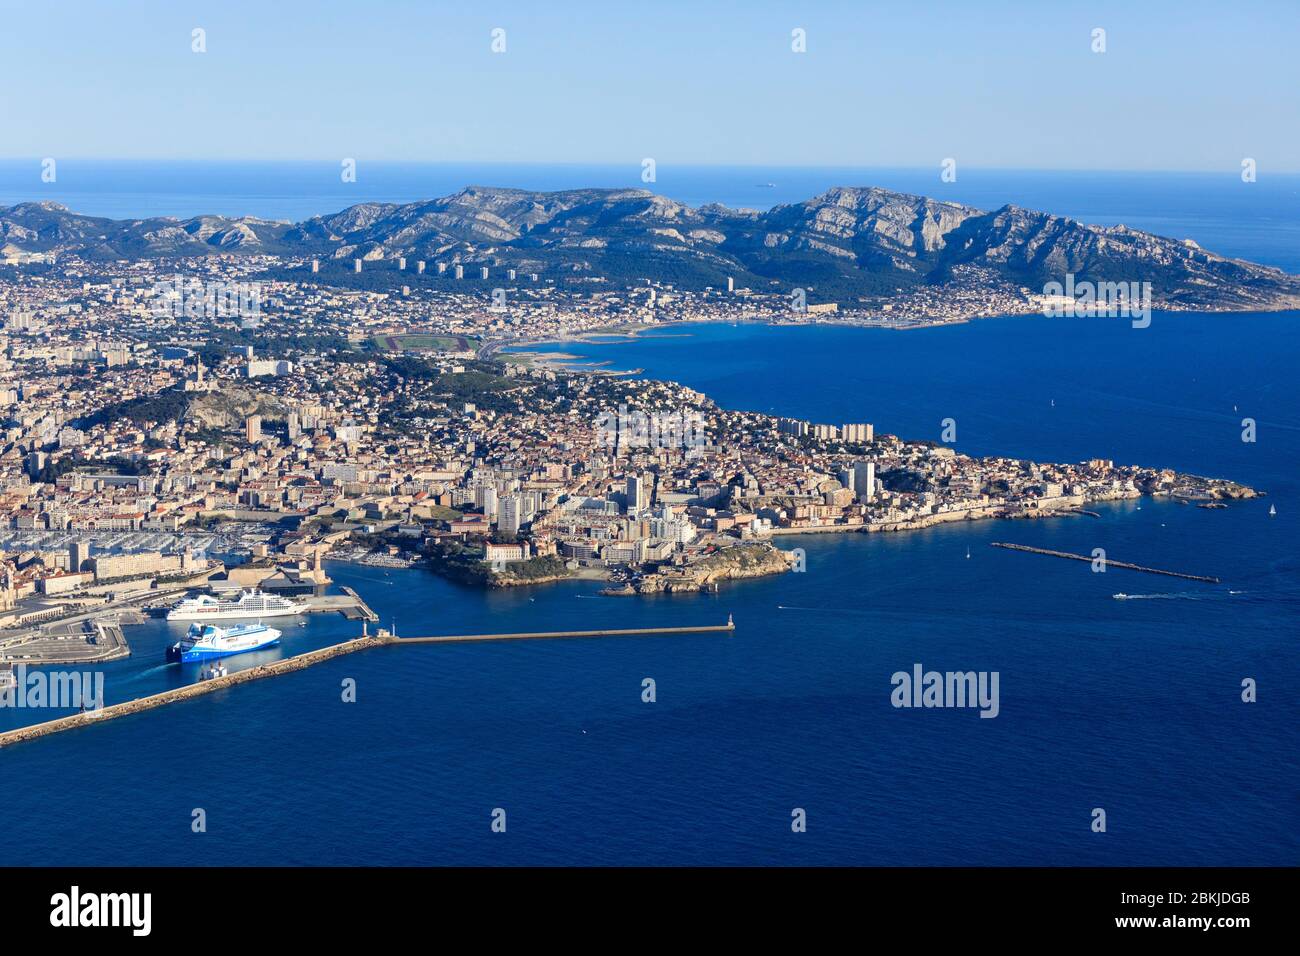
1109,562
349,604
360,608
301,661
551,635
189,691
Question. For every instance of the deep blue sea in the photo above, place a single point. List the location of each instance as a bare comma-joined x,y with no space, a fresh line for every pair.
1133,706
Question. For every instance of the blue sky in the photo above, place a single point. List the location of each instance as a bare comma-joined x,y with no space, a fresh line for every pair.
1182,85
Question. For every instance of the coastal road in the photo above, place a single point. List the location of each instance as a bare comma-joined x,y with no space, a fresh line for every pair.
491,347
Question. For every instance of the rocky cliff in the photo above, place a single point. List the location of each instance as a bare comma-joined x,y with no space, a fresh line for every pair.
847,242
749,560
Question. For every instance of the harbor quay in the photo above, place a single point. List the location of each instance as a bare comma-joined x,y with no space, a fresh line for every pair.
100,636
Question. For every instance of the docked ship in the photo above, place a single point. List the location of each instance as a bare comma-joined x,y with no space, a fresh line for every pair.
249,605
206,641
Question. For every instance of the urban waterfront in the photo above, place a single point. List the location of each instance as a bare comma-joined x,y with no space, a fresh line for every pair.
763,439
1133,705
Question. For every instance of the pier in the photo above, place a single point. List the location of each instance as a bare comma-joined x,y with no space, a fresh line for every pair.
188,692
1109,563
551,635
349,604
301,661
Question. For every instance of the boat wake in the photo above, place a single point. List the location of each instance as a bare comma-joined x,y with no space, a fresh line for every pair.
148,672
1173,596
831,610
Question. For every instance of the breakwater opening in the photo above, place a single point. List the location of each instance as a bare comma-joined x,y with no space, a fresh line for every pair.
1109,562
302,661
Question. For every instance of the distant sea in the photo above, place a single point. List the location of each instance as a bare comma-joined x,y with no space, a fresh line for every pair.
1129,705
1259,220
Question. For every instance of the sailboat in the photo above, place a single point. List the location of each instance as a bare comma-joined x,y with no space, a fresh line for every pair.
1272,510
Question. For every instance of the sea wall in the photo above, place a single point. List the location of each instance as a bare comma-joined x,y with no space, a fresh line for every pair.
284,666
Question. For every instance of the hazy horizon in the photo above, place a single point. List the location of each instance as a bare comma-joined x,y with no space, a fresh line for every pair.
1012,84
1232,173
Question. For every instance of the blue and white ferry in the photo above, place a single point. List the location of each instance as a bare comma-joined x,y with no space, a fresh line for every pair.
206,641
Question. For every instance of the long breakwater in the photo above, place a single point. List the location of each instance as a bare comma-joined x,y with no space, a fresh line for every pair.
302,661
188,692
1108,562
552,635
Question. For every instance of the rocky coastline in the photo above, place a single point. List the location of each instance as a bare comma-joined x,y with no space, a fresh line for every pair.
746,560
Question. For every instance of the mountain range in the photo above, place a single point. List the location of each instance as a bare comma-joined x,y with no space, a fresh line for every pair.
847,242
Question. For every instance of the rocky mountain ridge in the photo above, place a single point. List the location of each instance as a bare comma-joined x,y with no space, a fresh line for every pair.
847,242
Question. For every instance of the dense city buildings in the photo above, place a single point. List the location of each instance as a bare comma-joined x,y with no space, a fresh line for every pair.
147,407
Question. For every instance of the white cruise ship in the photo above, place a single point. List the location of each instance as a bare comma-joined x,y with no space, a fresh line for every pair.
249,605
